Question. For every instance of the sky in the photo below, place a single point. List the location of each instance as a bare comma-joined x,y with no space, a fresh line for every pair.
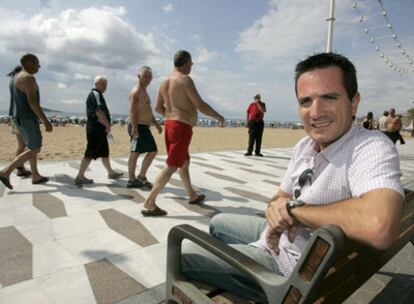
239,48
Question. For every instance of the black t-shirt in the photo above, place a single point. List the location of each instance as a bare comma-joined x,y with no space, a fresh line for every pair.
94,102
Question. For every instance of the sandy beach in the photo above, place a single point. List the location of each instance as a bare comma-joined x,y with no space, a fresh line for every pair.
69,142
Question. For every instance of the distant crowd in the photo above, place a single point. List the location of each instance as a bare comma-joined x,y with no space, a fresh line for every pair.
389,123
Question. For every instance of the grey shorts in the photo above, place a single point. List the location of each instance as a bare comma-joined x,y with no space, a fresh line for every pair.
30,132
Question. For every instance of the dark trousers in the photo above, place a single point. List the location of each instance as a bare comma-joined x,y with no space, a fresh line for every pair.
395,136
255,135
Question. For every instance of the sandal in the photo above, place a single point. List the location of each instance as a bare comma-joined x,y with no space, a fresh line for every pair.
197,200
156,212
23,172
41,180
6,182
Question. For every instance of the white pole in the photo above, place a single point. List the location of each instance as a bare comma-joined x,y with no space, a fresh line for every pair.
330,20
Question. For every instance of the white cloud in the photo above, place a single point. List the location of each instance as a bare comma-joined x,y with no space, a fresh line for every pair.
93,36
61,86
168,8
289,30
79,76
205,56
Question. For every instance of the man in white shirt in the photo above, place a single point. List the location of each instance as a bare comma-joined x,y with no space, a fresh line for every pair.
382,122
339,174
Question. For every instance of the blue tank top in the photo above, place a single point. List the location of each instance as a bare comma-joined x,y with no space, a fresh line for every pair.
22,108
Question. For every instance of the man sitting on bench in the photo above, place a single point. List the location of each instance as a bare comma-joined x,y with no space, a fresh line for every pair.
339,174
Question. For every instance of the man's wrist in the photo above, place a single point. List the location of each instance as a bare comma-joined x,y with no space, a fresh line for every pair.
292,204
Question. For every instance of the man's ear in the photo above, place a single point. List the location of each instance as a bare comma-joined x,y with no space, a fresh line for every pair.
355,102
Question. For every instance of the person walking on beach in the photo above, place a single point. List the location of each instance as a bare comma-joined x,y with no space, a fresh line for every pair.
21,146
255,123
382,122
394,126
26,115
142,141
178,100
368,122
98,128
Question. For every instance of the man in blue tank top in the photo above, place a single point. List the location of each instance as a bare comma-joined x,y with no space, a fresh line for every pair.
26,116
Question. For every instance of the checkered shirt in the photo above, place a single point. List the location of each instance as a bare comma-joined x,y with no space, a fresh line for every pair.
360,161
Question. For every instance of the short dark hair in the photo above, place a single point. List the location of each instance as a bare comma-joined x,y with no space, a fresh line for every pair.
26,58
325,60
386,113
181,58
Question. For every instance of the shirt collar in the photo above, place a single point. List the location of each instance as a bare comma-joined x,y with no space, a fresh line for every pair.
332,149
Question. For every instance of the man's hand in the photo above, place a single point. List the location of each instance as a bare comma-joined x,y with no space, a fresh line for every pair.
48,126
277,216
159,128
279,220
134,132
273,237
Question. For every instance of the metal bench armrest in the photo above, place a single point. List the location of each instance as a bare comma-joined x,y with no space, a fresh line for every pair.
276,287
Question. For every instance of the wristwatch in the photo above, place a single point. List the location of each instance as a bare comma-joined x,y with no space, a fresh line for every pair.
293,203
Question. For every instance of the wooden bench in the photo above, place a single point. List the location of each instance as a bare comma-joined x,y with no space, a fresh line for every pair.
329,271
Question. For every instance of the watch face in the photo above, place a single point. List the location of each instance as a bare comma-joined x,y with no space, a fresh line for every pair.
293,204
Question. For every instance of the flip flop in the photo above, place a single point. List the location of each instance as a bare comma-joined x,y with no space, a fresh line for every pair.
42,180
23,172
198,199
156,212
6,182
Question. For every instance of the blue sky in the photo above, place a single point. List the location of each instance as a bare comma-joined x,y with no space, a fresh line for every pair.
240,48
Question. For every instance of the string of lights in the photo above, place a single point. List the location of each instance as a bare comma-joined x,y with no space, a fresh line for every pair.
380,50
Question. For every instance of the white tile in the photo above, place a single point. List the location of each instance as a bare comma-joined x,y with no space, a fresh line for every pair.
28,215
96,245
146,265
37,233
6,220
50,258
78,224
74,207
70,286
24,293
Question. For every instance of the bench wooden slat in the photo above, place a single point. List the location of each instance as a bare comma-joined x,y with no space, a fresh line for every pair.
313,260
352,270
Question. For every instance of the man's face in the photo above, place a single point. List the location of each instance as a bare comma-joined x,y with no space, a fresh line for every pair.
188,66
324,106
145,78
101,86
33,66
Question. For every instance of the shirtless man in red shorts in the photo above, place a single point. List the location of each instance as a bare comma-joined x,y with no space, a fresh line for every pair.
178,100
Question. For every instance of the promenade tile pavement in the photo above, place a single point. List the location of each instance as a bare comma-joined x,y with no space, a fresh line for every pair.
63,244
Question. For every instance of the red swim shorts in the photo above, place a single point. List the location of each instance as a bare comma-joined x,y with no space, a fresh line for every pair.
177,139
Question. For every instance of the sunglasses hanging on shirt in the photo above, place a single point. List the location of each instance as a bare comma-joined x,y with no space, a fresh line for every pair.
304,178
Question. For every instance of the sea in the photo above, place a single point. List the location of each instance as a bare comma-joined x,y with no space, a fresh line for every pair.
122,118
